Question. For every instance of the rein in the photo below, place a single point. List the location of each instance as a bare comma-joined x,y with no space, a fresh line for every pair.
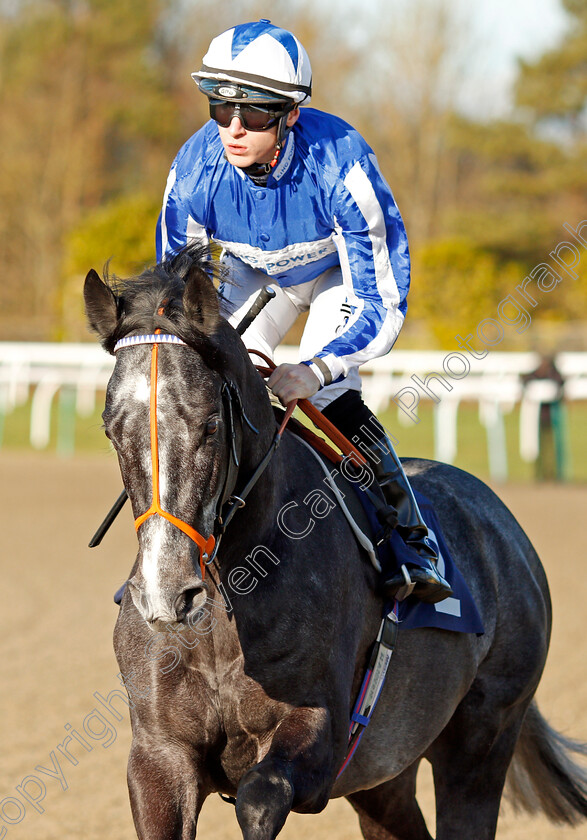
319,420
229,502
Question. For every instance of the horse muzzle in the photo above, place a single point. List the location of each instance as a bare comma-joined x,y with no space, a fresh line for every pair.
161,606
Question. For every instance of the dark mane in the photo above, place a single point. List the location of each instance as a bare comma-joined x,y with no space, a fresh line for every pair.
155,300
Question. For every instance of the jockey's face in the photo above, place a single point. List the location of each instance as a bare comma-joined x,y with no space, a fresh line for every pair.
244,148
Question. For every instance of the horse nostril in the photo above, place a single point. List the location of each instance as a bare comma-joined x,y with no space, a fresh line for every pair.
185,601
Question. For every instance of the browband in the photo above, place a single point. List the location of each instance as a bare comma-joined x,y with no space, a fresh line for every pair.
155,338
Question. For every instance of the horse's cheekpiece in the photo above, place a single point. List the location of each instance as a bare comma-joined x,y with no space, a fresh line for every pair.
205,545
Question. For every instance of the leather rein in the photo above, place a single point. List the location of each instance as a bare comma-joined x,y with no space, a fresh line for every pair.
235,416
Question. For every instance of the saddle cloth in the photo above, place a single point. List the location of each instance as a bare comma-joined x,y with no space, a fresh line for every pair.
458,613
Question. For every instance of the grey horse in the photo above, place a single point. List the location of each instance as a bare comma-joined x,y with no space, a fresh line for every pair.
242,673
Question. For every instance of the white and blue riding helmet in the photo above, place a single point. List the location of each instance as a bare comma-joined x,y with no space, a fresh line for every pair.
259,63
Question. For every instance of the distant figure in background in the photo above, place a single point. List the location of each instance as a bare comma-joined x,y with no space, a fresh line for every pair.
550,463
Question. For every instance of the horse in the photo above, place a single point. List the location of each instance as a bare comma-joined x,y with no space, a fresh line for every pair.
243,647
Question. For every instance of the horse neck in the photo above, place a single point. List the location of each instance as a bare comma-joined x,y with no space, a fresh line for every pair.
254,445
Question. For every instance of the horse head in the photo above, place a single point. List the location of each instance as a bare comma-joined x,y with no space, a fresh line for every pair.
172,415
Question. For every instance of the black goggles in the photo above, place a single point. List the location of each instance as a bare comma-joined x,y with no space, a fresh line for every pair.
252,117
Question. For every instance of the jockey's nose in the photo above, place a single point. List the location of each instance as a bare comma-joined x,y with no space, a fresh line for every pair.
236,128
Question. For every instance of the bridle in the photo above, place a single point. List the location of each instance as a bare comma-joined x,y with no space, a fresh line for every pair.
235,415
228,501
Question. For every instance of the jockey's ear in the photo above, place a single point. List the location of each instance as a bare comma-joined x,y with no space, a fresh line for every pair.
101,307
292,117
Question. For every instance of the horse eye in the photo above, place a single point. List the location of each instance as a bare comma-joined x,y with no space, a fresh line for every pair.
211,426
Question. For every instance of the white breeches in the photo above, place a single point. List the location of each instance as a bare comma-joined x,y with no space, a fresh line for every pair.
325,300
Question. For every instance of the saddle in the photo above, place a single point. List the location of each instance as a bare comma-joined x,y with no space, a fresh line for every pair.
384,546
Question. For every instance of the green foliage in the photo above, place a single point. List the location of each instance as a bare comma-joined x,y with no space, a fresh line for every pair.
514,192
555,86
456,285
509,187
120,233
125,227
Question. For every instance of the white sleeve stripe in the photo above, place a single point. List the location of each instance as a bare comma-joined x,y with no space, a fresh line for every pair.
168,187
317,372
195,232
362,191
379,346
343,257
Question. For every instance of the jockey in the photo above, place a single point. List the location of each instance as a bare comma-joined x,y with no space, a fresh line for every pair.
296,198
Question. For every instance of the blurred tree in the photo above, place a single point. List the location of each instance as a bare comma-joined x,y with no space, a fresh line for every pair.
553,89
458,284
515,184
85,117
505,190
96,99
409,86
552,95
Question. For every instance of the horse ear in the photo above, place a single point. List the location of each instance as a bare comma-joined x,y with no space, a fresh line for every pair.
101,309
200,300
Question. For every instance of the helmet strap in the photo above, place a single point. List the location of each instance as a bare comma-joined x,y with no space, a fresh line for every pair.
282,130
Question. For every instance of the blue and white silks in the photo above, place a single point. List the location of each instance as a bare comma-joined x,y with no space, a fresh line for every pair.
325,204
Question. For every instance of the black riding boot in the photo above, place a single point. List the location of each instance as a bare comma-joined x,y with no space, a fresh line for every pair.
358,423
428,584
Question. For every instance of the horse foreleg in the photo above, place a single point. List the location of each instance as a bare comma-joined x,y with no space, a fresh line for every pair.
295,773
164,795
390,810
